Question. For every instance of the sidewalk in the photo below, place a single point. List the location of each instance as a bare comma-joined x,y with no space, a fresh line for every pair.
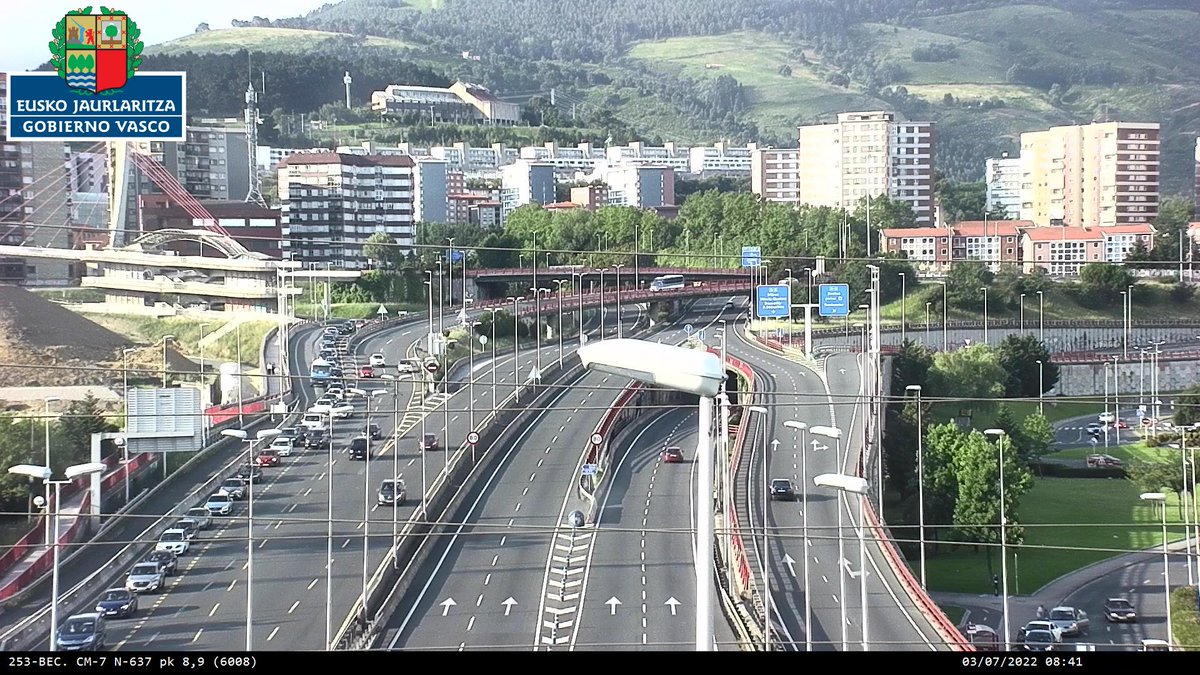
68,516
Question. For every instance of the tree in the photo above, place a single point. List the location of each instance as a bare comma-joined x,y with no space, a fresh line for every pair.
1187,408
911,365
382,248
78,422
1157,476
1018,356
202,28
1033,438
1103,282
963,284
941,483
977,469
968,373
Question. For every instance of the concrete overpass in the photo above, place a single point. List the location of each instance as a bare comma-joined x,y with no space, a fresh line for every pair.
483,284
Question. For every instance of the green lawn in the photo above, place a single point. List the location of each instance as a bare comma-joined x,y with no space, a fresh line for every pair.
1069,523
1128,452
356,310
1055,411
188,332
1185,620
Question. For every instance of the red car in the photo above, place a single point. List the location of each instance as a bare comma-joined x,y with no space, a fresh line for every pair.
268,457
366,371
1120,424
672,455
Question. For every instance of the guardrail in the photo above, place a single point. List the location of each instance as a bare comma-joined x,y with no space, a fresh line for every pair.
571,302
589,271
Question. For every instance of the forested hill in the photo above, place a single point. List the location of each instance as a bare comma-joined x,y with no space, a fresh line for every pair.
698,71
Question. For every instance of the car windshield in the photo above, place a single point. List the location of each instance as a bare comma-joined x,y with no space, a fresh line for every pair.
429,438
79,627
1120,604
199,512
218,499
387,486
139,570
780,484
1062,615
233,482
172,536
117,595
1039,636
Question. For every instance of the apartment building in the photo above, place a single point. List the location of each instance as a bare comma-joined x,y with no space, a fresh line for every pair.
671,154
866,154
214,163
1063,251
252,226
643,186
567,161
12,200
590,197
526,182
932,250
1091,175
333,202
267,158
460,103
774,174
1002,176
431,201
721,159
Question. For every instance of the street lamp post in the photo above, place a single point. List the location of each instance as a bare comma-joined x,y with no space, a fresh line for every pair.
1160,499
945,317
618,269
600,307
450,273
836,435
44,473
1041,387
1041,317
243,435
483,339
920,478
1000,434
579,292
558,292
46,425
903,307
928,305
395,463
802,427
373,395
329,532
985,316
859,486
1022,314
516,341
165,338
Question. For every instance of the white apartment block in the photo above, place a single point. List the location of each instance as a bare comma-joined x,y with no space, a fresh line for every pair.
568,161
774,175
526,182
675,156
333,202
867,154
644,186
721,159
1003,179
1100,174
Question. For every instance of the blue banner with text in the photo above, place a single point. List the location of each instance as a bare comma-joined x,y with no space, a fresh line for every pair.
150,107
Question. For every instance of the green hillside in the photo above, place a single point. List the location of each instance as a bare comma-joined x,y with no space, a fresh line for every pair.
263,39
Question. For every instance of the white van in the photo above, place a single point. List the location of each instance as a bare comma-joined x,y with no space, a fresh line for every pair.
315,421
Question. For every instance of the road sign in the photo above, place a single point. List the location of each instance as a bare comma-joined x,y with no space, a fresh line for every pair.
454,255
1094,441
834,300
773,301
382,311
1147,421
473,438
589,469
432,366
700,336
689,329
751,256
597,439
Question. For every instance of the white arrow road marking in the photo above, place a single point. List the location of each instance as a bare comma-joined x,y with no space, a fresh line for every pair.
508,605
846,564
674,604
612,605
790,562
446,605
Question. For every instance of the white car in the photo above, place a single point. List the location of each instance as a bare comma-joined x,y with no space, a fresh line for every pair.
1047,625
336,393
1107,417
282,445
377,359
408,367
175,541
342,410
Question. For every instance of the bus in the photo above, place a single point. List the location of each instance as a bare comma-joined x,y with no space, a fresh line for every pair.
667,282
320,372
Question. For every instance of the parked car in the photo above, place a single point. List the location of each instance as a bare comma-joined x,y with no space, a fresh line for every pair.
359,448
220,504
168,562
1039,641
82,632
117,603
175,541
337,393
1120,610
201,516
366,371
377,360
781,490
374,431
267,457
1071,620
1101,461
250,473
234,488
145,577
391,491
672,455
282,446
429,442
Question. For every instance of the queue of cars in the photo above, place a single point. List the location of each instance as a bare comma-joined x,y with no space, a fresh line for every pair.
1048,633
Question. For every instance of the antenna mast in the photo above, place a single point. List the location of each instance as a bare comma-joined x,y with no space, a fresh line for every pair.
254,196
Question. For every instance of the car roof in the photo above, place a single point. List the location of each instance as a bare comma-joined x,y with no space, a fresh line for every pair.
217,496
1063,608
117,588
173,529
1118,600
86,615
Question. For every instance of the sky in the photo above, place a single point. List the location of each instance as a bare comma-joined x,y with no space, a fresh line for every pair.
25,30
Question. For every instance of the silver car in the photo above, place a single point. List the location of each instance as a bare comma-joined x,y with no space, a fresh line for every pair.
145,577
1070,620
200,516
219,504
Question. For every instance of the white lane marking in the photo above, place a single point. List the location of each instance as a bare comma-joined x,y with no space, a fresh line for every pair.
214,609
294,606
273,634
311,584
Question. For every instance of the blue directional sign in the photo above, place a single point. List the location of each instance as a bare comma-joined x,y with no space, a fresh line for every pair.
454,255
751,256
773,301
834,300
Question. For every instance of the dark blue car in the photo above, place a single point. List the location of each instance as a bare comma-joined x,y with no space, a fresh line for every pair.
117,603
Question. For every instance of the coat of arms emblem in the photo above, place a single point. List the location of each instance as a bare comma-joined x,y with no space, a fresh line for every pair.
96,53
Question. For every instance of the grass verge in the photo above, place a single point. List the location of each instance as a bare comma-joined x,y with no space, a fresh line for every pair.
1185,618
189,331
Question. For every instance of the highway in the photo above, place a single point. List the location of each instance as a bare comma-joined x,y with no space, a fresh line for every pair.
825,397
481,592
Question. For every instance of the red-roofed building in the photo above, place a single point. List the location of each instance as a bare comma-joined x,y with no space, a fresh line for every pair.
1063,251
562,206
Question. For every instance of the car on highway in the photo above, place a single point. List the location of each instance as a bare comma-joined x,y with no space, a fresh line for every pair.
1070,620
337,393
117,603
233,488
346,328
219,504
430,442
336,374
317,439
672,455
1154,645
145,577
408,366
282,446
1039,641
366,371
296,434
82,633
168,562
190,527
391,492
1121,424
201,515
1106,417
1100,461
175,541
267,457
374,431
250,473
1120,610
1043,624
315,421
377,360
359,448
327,353
781,490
